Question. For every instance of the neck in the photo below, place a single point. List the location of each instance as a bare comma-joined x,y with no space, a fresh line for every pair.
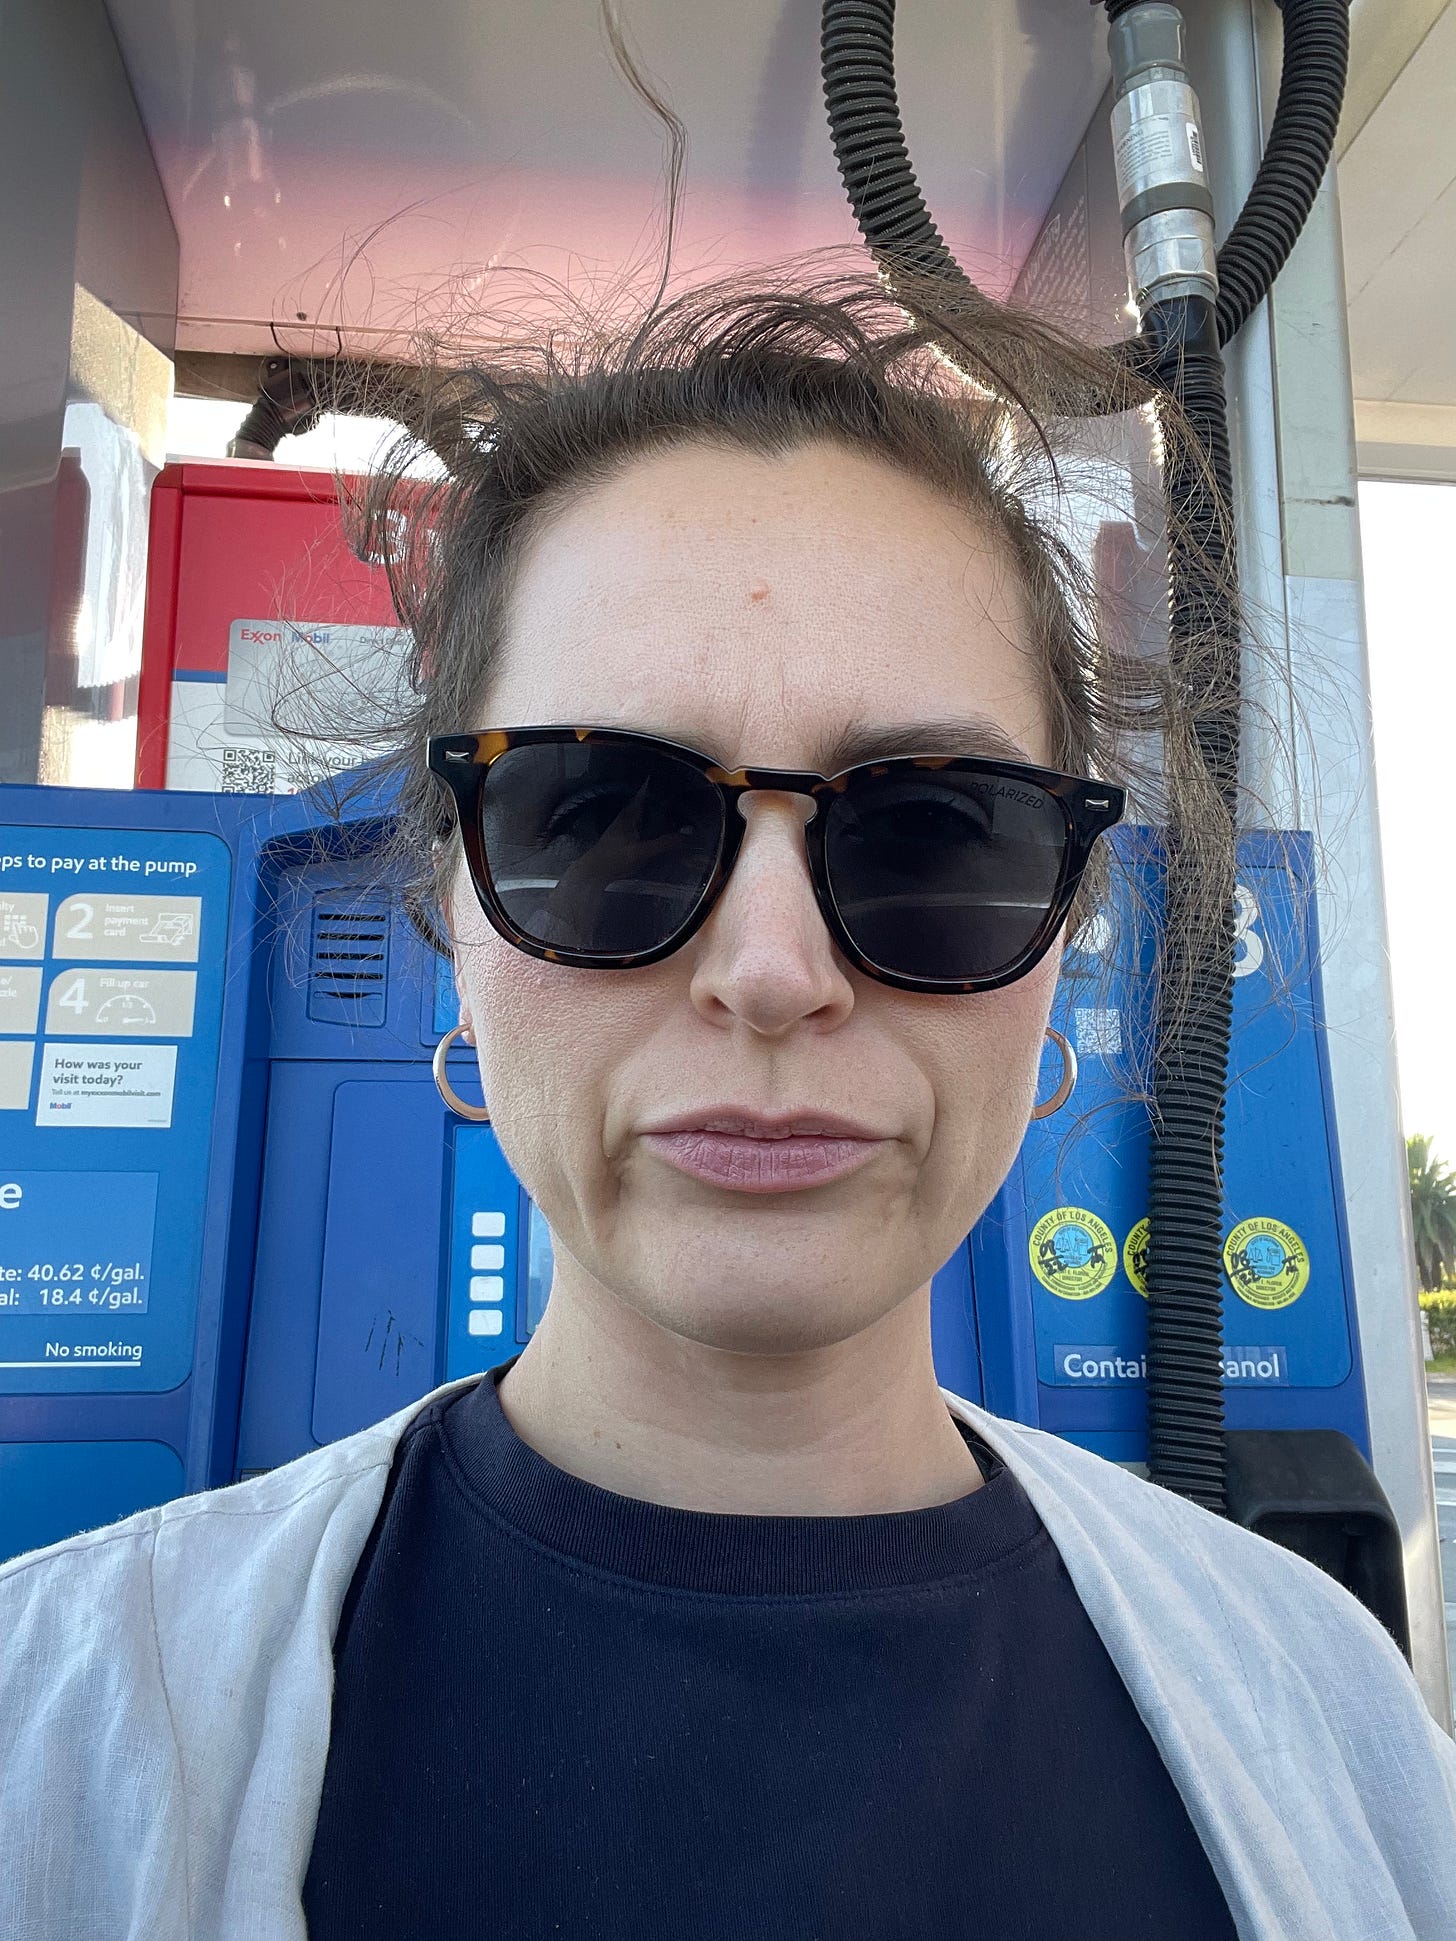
853,1429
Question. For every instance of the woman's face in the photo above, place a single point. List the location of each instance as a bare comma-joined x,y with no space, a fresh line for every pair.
765,611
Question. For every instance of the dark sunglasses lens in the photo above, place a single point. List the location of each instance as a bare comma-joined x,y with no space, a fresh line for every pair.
944,875
598,846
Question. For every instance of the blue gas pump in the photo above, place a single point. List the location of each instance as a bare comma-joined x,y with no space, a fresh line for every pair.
237,1222
129,1117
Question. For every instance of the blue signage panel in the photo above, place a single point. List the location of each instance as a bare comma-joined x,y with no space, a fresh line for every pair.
107,1220
112,968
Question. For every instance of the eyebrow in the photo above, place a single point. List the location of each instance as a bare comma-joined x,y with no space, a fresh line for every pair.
966,734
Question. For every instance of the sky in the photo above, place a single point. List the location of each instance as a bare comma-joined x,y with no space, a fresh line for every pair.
201,428
1408,533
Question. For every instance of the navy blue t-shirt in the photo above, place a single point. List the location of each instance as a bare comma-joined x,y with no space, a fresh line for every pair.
560,1712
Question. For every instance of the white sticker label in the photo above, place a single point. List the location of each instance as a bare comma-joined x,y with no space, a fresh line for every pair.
131,929
121,1004
1098,1031
106,1085
258,731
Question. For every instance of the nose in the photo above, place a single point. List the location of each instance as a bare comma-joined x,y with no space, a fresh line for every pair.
764,957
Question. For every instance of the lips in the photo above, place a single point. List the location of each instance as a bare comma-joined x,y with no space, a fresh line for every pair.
744,1123
759,1152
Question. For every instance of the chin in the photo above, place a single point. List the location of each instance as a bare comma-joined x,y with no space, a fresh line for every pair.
767,1321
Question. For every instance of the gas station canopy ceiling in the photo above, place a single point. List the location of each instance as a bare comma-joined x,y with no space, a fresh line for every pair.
1398,203
374,167
368,164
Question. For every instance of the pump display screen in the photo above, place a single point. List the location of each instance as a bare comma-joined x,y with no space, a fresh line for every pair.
109,1018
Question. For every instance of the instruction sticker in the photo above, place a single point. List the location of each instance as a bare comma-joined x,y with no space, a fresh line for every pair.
22,925
132,929
19,999
106,1085
118,1003
1267,1263
1135,1255
1073,1253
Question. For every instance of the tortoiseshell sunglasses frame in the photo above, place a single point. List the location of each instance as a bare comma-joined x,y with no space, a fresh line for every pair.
462,762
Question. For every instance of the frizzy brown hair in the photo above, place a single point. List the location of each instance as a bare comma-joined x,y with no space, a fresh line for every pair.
967,396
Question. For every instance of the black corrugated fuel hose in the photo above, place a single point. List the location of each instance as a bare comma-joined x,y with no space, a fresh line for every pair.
857,50
1186,1450
286,403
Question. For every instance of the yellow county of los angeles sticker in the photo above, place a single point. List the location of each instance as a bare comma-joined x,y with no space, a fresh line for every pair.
1267,1263
1135,1256
1073,1253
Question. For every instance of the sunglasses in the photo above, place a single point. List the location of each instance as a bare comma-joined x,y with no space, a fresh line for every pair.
605,849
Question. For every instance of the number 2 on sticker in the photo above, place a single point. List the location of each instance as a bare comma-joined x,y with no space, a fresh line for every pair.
73,998
82,915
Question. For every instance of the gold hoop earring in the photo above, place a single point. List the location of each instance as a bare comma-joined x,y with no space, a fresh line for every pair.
477,1114
1069,1078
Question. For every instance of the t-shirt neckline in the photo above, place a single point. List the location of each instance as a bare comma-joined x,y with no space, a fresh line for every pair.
724,1553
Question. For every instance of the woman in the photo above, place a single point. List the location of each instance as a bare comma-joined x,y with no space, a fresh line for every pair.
711,1615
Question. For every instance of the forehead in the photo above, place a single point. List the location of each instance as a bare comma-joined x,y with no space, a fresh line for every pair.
765,609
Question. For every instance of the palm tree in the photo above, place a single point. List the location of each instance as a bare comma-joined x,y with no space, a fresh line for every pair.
1433,1212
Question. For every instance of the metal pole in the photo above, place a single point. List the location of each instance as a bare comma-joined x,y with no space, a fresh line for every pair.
1299,557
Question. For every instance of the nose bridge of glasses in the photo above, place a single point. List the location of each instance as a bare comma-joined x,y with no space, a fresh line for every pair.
781,788
781,852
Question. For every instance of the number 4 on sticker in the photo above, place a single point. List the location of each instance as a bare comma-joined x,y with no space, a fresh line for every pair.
73,998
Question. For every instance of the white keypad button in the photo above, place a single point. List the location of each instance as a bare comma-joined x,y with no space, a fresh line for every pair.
486,1320
487,1287
488,1226
483,1259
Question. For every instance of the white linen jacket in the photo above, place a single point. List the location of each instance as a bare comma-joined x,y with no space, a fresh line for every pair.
166,1683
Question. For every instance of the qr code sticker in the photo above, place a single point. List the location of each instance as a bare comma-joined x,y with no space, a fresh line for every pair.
249,771
1098,1032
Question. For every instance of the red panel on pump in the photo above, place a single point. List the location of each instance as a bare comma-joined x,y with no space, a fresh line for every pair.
246,559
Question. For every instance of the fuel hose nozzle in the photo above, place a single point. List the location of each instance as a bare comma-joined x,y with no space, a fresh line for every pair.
1157,144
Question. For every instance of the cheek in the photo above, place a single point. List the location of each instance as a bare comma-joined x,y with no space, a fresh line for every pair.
548,1038
1027,1008
527,1052
988,1071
